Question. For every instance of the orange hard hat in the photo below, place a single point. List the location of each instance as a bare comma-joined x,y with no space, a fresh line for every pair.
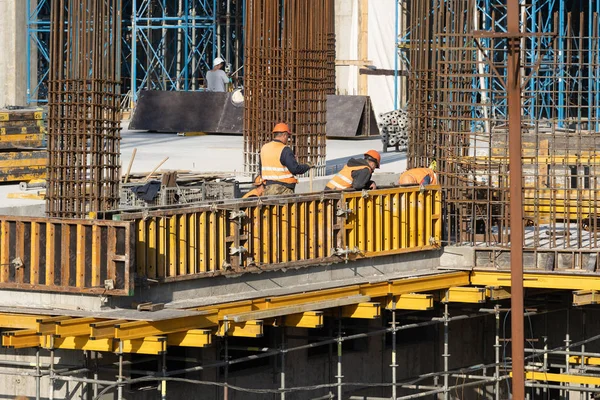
281,127
258,180
374,154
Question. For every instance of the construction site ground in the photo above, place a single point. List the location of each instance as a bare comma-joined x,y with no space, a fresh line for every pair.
214,153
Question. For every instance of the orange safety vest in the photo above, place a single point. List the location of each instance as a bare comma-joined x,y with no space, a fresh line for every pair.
271,168
343,179
414,176
252,193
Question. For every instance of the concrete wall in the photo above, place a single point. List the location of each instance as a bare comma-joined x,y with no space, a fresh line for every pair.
13,56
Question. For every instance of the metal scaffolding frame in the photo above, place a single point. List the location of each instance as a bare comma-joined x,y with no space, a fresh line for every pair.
176,41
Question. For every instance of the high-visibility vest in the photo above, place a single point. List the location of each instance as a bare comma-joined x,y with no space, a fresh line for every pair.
252,193
415,176
343,179
271,167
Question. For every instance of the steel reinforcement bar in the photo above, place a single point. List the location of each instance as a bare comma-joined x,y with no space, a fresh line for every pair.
281,232
84,101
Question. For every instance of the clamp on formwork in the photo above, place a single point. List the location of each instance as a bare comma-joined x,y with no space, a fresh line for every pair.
344,252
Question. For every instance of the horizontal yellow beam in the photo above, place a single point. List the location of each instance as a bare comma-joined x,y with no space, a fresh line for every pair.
537,280
369,310
79,343
309,319
562,378
145,329
21,339
464,295
585,297
251,329
75,327
147,345
586,360
19,321
104,330
191,338
412,301
47,326
497,293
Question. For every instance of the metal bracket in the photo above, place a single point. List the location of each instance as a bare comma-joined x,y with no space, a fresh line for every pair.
237,250
344,212
109,284
364,194
237,214
339,251
17,263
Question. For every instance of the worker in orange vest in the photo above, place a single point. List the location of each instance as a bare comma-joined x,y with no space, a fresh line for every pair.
278,164
357,173
259,189
419,176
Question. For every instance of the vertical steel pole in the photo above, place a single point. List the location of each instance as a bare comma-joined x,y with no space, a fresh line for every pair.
282,376
394,365
51,375
120,378
38,376
226,388
446,355
163,384
497,353
516,211
95,386
339,362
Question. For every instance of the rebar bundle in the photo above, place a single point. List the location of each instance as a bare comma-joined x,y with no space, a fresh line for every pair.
286,76
84,115
458,116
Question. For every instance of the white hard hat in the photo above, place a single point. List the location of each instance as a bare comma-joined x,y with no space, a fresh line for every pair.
217,61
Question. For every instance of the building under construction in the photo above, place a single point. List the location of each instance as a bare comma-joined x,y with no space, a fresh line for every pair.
483,286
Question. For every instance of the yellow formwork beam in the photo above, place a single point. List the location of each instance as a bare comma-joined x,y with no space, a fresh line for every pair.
191,338
369,310
47,326
537,280
464,295
75,327
310,319
251,329
146,345
19,321
145,329
586,360
585,297
21,339
562,378
411,301
105,329
78,343
497,293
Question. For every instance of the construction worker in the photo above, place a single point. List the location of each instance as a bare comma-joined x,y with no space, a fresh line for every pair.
258,190
357,173
278,164
419,176
216,78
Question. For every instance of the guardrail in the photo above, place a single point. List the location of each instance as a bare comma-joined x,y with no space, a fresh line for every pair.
284,231
66,255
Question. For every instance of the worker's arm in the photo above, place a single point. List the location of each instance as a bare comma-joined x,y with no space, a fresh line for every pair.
225,78
288,159
361,179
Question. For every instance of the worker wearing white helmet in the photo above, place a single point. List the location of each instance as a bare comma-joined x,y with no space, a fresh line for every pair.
216,78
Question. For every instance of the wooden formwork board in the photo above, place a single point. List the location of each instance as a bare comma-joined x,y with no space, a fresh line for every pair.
66,255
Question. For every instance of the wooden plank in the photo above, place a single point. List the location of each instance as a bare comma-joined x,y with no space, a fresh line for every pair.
50,264
65,254
19,252
80,261
34,262
111,253
5,255
96,252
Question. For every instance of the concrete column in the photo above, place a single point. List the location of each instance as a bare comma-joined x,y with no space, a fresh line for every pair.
13,52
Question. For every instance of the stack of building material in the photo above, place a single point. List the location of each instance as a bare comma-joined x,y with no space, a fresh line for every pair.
23,155
394,129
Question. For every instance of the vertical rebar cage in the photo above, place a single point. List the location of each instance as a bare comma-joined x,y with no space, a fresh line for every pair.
458,110
84,107
286,76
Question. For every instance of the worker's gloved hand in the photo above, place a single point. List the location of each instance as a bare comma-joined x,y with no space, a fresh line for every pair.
310,165
422,188
373,186
227,68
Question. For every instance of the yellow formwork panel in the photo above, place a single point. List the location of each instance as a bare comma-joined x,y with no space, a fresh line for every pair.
252,329
146,345
464,295
369,310
412,301
21,339
586,360
191,338
298,231
310,319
